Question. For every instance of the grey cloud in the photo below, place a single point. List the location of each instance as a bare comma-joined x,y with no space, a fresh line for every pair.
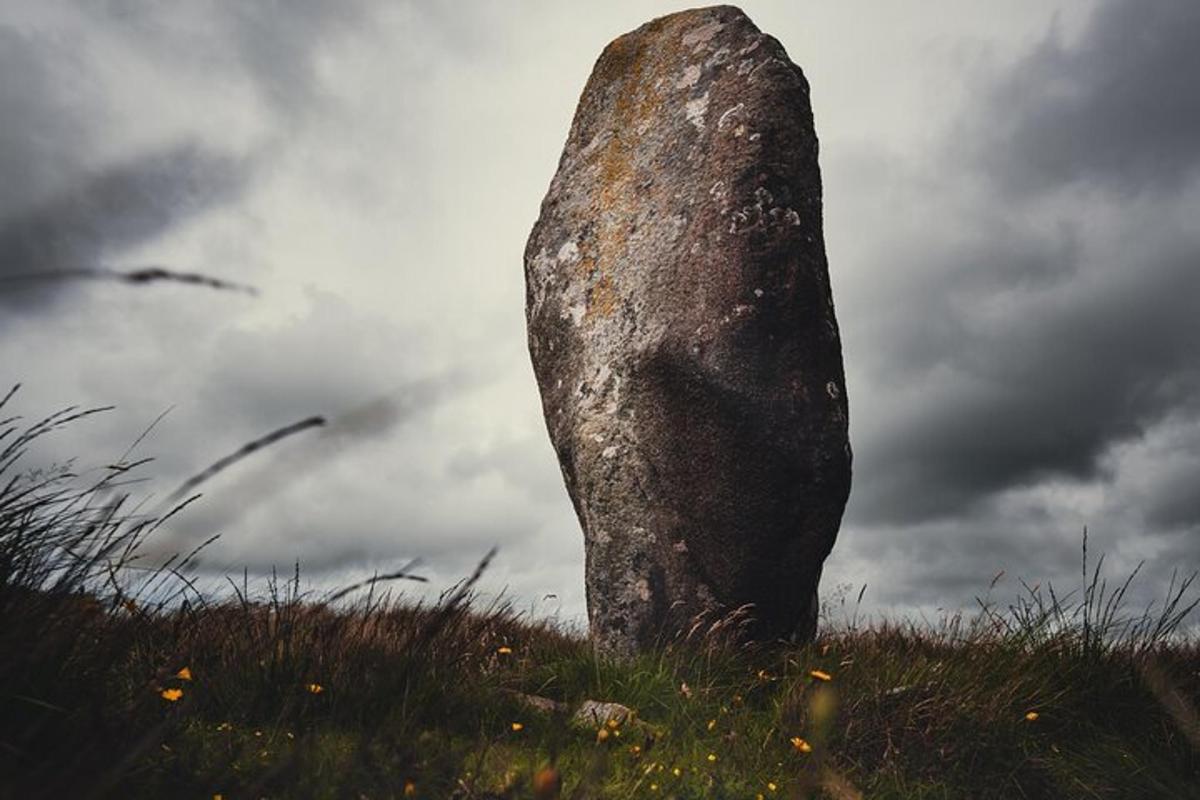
327,361
47,100
1034,335
527,465
1171,477
1118,109
66,213
87,225
273,473
275,44
1042,390
372,382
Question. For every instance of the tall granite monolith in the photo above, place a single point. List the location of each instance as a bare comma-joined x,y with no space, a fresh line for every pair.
682,331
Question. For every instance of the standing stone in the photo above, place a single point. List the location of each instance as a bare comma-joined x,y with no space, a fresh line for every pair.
682,332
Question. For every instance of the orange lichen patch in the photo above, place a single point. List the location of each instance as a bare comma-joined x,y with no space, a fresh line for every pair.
584,266
602,299
633,77
616,60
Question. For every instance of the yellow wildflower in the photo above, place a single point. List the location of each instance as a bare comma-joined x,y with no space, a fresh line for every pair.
771,786
184,674
504,651
224,726
654,787
636,750
801,745
601,734
712,757
516,726
410,788
614,723
821,675
315,688
712,724
676,771
1031,716
171,695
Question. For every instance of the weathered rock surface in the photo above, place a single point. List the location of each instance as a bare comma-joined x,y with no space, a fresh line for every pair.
682,332
593,713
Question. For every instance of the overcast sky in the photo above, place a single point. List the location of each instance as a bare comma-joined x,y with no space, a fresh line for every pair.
1011,197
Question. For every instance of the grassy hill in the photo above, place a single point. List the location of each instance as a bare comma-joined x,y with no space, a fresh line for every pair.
116,682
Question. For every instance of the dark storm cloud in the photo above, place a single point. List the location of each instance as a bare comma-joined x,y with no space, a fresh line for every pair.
1047,328
92,222
60,213
1119,108
1041,391
63,216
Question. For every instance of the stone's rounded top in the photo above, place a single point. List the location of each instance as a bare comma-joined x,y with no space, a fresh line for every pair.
693,131
718,13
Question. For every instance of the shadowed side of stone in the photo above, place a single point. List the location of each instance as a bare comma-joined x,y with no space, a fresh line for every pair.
682,333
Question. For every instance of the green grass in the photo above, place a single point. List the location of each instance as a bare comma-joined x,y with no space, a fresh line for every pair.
426,697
